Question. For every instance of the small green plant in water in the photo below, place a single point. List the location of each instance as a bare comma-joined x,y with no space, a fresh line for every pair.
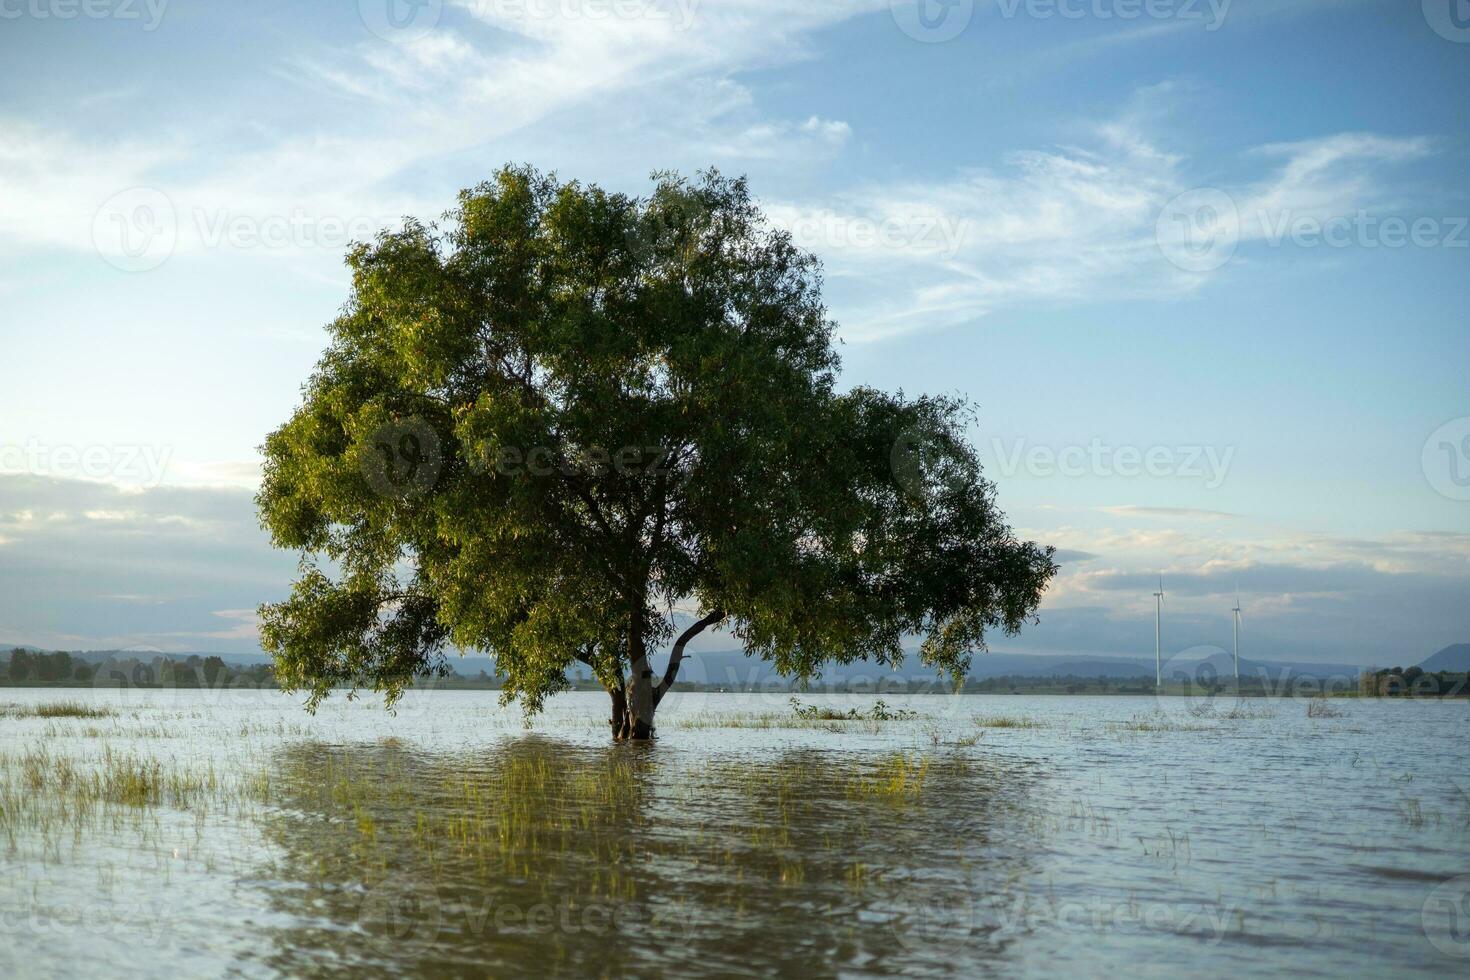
1001,721
879,712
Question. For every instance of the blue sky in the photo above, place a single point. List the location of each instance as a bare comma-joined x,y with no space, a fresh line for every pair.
1202,267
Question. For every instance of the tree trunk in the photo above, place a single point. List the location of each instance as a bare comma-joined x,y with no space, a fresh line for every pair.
619,713
640,691
636,698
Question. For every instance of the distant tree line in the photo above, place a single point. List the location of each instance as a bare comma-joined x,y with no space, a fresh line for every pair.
47,668
60,668
1059,684
1414,682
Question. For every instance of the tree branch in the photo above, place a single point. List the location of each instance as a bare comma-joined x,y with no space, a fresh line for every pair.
672,671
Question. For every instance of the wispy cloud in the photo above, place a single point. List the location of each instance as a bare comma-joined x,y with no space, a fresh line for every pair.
487,72
1067,224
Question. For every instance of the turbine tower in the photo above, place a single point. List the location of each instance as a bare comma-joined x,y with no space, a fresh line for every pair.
1235,620
1158,636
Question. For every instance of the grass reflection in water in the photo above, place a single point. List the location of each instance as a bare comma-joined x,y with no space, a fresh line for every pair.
539,857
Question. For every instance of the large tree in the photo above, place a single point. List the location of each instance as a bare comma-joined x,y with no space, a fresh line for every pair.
564,422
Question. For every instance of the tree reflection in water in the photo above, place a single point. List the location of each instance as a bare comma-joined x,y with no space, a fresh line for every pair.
541,858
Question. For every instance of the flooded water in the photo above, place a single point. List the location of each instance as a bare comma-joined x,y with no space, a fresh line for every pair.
208,833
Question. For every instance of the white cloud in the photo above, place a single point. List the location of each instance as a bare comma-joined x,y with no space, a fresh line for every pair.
1063,225
490,70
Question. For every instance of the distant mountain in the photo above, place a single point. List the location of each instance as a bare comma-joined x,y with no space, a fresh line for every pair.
733,668
1455,658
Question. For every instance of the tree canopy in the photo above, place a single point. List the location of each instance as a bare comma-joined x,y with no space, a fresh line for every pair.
561,423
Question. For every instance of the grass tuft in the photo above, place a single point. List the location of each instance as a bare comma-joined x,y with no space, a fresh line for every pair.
57,709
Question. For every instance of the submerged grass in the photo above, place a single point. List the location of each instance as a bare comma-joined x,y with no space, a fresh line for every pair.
47,797
1003,721
1157,723
897,778
1322,708
57,709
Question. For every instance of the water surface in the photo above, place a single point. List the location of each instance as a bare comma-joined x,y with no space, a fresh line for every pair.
987,834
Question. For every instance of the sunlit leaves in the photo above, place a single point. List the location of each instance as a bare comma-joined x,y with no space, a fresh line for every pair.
543,424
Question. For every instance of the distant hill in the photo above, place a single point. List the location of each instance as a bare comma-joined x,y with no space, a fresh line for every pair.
732,667
1456,658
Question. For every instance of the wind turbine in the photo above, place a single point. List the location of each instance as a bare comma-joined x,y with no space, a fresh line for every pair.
1158,636
1235,620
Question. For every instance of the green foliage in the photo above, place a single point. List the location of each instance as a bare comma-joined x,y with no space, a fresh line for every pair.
45,668
879,712
543,424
